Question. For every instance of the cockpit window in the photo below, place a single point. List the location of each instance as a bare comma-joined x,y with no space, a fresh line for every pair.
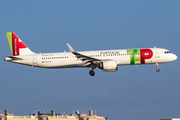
166,52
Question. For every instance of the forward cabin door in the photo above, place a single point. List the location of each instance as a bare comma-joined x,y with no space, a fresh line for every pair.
157,53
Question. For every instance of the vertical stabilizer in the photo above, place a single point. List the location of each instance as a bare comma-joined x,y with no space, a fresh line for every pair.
16,45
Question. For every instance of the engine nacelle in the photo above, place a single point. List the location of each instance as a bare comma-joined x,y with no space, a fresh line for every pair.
108,66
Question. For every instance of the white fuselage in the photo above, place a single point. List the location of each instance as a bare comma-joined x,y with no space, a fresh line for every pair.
69,60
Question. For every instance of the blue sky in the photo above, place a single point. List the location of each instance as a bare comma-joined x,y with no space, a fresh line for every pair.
133,92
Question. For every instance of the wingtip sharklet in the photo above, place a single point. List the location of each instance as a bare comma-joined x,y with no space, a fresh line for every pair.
70,48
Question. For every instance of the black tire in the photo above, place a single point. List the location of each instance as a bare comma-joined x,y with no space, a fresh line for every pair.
158,70
91,72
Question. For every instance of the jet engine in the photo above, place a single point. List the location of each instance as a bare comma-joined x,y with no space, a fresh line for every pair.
108,66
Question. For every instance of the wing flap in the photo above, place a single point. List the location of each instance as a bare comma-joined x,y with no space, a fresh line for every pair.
82,57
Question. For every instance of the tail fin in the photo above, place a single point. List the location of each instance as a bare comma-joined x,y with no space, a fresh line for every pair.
16,45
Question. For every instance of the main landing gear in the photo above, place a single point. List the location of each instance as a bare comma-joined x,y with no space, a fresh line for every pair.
157,67
91,72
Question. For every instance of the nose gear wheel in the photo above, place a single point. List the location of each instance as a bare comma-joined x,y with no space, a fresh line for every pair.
157,69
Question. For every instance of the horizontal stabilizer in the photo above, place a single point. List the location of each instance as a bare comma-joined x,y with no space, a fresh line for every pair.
12,58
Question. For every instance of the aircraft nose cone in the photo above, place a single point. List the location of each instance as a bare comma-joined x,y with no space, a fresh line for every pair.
174,57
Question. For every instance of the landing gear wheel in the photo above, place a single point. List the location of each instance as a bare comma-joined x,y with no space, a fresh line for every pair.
91,72
157,70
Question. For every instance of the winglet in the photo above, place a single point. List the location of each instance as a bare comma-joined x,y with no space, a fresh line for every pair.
70,48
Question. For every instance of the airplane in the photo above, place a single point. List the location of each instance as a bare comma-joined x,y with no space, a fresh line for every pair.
107,60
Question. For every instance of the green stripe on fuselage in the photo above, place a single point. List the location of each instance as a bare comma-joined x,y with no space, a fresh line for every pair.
134,55
9,37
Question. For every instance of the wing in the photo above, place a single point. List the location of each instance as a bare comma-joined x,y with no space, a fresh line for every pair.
86,59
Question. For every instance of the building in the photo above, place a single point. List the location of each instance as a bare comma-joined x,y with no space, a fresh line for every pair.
170,118
52,116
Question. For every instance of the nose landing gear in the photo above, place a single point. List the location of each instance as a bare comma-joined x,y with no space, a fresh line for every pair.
158,70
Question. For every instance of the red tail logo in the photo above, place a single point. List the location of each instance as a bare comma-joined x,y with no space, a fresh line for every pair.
17,44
